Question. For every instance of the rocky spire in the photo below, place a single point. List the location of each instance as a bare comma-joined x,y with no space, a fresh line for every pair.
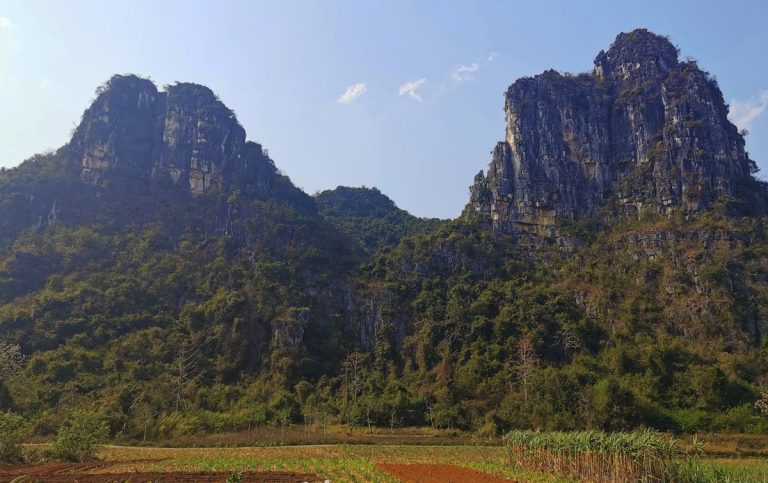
637,54
642,132
136,135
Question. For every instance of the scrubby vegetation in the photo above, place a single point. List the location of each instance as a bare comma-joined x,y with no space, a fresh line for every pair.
170,332
175,315
12,433
79,436
370,217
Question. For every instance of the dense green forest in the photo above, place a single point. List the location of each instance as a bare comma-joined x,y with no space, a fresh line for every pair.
370,217
198,300
171,332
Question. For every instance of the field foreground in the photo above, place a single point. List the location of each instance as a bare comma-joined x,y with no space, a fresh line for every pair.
311,463
319,463
84,473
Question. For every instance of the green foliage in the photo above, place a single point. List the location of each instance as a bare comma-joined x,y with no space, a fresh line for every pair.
694,470
79,436
612,343
179,315
370,218
13,429
235,477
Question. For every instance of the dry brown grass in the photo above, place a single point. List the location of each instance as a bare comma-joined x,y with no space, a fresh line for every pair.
306,435
731,445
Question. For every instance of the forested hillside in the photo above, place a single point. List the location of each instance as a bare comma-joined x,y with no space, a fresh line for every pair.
370,217
609,271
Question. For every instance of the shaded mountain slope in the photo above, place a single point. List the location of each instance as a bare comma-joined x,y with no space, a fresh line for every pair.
370,217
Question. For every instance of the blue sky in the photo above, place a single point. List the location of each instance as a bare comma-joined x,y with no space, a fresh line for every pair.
402,95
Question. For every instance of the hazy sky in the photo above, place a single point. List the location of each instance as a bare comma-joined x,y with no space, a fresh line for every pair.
402,95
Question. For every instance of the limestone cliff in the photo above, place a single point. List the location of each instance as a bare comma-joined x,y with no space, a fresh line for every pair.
135,134
138,150
644,132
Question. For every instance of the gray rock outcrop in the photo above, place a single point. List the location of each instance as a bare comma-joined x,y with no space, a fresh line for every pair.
183,136
643,132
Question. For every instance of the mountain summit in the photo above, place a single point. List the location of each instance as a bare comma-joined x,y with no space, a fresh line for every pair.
643,132
184,136
136,142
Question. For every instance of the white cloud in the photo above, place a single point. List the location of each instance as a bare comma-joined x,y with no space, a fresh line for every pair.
492,56
464,72
5,22
352,93
411,89
742,113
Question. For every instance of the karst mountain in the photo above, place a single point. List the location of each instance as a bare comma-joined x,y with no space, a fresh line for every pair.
609,270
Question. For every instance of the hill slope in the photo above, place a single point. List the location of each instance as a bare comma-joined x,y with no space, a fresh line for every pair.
370,217
609,270
158,256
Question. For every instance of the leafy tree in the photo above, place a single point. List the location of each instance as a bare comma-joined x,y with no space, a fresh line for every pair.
12,431
79,435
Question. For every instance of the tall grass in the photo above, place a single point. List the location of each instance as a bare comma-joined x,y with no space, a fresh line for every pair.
594,456
696,471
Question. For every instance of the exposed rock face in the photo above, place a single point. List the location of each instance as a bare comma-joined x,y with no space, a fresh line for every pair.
288,328
184,136
642,132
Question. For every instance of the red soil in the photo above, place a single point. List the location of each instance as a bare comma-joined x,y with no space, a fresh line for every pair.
82,473
422,473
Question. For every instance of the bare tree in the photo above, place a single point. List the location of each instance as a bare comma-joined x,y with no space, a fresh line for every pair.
186,370
353,367
567,340
393,419
762,404
145,413
526,364
368,416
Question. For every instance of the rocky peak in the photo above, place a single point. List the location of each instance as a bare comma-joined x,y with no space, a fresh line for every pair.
116,133
640,54
138,136
641,133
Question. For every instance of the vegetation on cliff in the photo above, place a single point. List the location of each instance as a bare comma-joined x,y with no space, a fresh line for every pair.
214,296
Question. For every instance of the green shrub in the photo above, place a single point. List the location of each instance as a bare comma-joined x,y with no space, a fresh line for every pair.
691,420
742,419
177,424
79,436
12,430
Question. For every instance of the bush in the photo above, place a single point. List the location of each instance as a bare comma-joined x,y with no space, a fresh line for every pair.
742,419
691,420
176,424
12,430
79,436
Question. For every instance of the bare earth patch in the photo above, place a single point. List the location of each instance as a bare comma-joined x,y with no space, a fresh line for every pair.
425,473
82,473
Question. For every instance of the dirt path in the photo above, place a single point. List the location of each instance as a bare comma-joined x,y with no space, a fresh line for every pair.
422,473
82,473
